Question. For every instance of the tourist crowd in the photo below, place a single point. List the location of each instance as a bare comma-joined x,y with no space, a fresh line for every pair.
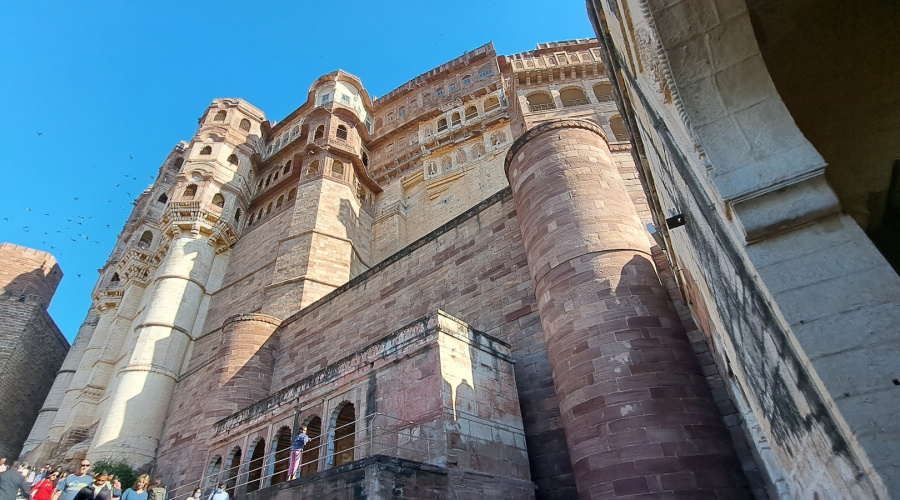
49,483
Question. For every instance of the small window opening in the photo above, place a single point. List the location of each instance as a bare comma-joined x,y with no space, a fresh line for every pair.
207,150
292,194
146,240
491,104
337,169
190,191
218,200
455,120
220,116
341,132
245,125
314,167
320,132
279,202
163,198
115,278
442,125
287,167
233,159
237,215
471,112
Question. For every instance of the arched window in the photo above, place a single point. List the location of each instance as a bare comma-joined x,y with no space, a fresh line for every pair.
573,96
207,150
491,103
365,159
432,168
361,191
237,215
603,92
310,463
233,159
268,208
401,112
390,117
252,218
295,131
178,162
320,132
233,469
442,125
259,186
455,119
115,278
471,112
337,169
341,132
498,138
277,173
287,167
314,167
259,215
467,80
461,157
220,116
618,128
212,472
190,191
245,125
268,180
163,198
281,456
146,240
292,194
343,425
279,202
540,101
446,164
478,150
255,468
218,200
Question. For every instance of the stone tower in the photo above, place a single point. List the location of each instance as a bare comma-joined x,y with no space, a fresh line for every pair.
31,346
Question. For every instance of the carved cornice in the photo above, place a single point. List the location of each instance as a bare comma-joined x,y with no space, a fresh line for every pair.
188,217
137,266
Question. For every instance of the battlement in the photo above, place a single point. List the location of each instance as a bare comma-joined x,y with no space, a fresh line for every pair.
29,271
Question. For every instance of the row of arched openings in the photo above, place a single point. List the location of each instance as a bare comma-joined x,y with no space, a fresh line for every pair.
262,472
222,114
571,96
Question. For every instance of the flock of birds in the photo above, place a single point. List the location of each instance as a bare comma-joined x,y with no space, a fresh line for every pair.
73,228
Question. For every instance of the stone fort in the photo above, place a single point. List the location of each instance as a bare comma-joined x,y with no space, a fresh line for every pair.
473,286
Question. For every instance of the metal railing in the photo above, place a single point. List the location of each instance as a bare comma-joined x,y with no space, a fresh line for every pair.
380,434
541,107
575,102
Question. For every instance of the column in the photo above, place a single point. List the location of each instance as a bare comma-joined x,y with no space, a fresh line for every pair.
638,415
139,402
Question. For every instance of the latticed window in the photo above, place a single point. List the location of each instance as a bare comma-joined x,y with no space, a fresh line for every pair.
220,116
341,132
245,125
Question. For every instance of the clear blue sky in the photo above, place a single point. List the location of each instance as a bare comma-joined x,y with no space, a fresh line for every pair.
105,82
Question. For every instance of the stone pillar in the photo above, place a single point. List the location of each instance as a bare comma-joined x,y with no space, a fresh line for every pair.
638,414
139,402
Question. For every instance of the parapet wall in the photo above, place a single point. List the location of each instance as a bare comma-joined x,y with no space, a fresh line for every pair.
27,271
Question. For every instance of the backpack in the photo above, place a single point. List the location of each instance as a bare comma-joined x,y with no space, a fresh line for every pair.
156,493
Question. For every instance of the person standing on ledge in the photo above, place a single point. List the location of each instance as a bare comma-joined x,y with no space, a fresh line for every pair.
297,452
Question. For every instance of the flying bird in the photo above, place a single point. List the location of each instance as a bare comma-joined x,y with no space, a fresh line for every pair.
76,198
46,214
129,194
117,185
28,210
40,133
25,229
78,275
130,157
6,219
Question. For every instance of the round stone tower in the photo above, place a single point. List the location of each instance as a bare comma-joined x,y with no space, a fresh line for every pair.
637,413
